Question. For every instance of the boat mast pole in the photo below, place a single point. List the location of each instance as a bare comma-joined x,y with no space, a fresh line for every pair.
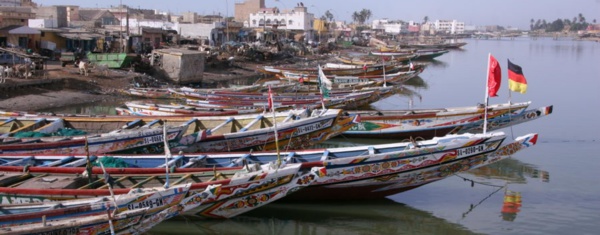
487,98
383,64
167,154
272,106
112,195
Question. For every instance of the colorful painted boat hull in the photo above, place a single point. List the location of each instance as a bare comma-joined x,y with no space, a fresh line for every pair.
153,199
426,124
390,184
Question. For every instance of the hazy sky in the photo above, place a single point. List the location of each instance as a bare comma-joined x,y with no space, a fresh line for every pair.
515,13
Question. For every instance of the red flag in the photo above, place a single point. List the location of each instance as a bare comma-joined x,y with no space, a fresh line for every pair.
365,67
270,99
494,77
516,79
301,80
356,118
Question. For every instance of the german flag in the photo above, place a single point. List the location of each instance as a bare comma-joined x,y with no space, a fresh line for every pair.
516,80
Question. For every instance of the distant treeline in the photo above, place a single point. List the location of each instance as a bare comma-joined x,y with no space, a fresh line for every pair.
577,23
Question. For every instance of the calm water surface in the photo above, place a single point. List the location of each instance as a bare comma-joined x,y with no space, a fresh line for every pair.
556,179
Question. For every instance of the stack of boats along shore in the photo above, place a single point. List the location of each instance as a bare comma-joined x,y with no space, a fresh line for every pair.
228,151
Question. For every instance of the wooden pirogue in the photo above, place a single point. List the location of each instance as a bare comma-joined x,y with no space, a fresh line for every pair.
351,172
240,189
297,129
153,199
428,123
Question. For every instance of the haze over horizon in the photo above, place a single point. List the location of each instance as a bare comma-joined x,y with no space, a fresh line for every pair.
507,13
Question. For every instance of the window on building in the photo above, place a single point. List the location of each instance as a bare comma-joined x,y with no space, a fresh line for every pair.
253,22
290,22
269,22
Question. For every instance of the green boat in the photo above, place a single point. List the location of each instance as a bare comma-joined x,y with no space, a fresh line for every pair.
112,60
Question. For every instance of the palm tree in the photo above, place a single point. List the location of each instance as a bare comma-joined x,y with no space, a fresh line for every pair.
356,17
328,15
362,16
581,18
366,14
531,23
594,21
425,19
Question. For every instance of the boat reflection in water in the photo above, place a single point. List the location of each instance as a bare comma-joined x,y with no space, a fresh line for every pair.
359,217
511,205
511,171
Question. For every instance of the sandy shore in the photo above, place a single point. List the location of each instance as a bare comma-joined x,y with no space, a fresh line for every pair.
69,88
74,88
51,99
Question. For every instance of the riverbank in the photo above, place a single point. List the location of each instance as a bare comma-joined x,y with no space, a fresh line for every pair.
68,87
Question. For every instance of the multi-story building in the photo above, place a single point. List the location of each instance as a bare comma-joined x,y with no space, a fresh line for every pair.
297,19
449,26
390,26
377,25
189,17
244,9
57,14
15,15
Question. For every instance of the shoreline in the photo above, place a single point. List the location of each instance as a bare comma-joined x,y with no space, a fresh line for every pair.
53,99
76,89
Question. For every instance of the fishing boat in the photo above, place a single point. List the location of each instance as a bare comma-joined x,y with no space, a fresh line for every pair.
126,139
352,172
167,93
148,93
96,224
259,96
429,54
157,109
300,128
428,123
233,208
372,60
400,76
368,70
422,54
442,45
389,67
240,189
344,99
507,120
414,179
153,199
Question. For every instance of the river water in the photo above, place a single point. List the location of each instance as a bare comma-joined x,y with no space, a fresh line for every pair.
555,179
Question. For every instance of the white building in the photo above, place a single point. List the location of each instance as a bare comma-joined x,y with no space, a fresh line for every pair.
43,23
296,19
136,25
212,32
378,24
389,26
449,26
